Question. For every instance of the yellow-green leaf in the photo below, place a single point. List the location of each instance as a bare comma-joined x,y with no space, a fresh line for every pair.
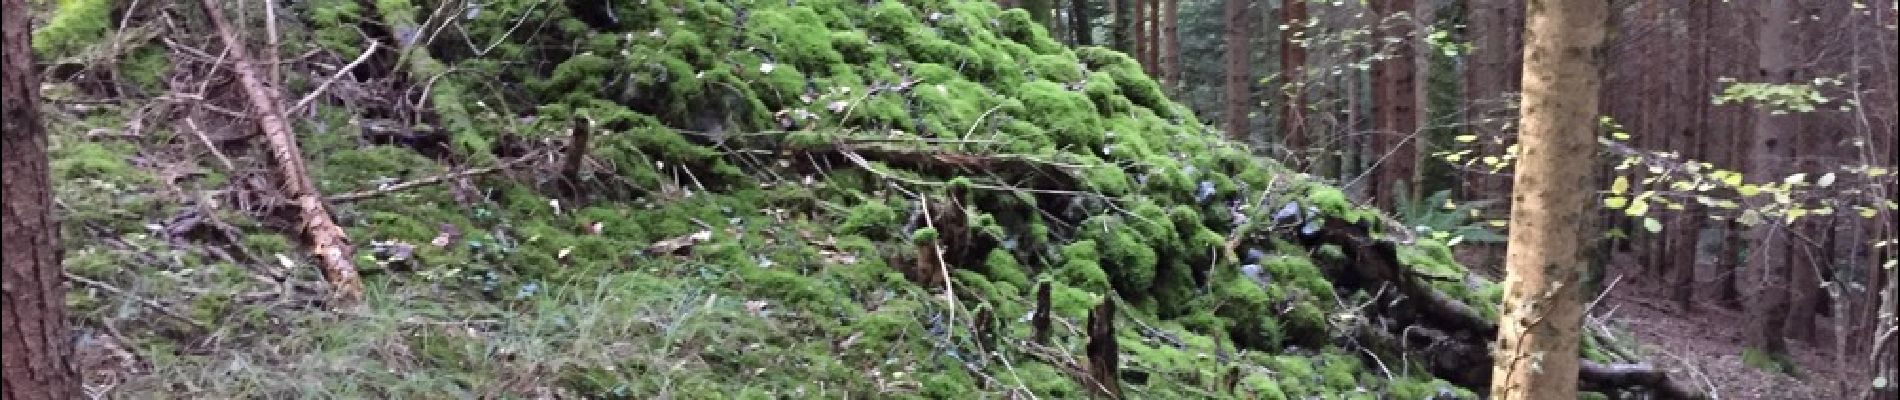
1620,185
1867,212
1465,138
1748,190
1638,207
1826,180
1652,225
1732,179
1615,202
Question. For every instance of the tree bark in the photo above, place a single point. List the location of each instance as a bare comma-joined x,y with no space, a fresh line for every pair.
327,241
1293,91
1542,313
1239,29
1171,48
1768,260
1395,123
1151,29
1080,30
38,362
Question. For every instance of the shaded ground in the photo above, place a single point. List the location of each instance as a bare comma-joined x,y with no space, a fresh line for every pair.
1705,344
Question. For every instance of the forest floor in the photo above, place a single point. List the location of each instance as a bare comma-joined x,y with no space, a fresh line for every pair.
1709,340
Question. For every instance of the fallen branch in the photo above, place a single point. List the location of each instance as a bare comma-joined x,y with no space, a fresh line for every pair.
148,303
384,190
340,72
327,241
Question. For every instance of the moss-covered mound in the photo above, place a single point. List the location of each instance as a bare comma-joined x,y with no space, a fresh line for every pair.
817,173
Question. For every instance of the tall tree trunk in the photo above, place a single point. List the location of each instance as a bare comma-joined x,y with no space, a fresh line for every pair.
1239,30
1550,217
1151,29
1394,120
1769,260
1080,29
1426,15
1293,98
1171,48
1686,232
1121,26
1139,10
38,362
1491,84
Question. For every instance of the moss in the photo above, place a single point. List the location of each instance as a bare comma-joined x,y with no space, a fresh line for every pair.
75,24
1002,267
1263,387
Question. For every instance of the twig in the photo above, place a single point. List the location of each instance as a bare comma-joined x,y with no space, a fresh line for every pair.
936,245
365,194
154,305
192,123
360,59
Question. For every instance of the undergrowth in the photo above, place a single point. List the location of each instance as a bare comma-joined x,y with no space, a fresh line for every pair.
797,273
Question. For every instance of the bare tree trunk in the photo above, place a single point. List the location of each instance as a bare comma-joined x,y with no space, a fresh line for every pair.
38,362
1171,48
327,241
1293,69
1550,218
1137,28
1394,120
1768,157
1239,61
1080,30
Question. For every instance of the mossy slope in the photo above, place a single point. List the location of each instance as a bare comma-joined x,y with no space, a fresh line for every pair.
800,289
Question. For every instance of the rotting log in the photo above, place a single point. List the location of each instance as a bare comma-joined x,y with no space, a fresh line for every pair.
327,241
1446,334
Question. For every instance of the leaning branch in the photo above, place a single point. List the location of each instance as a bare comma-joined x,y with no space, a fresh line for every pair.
327,241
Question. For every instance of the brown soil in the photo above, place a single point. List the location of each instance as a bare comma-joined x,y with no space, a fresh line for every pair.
1704,344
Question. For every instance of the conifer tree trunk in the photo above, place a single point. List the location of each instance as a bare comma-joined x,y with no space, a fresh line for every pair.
1394,120
1293,69
1543,311
1080,31
1170,47
1768,258
1139,10
1239,28
38,362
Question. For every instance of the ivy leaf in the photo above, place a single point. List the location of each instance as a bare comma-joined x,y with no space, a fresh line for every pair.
1748,190
1652,225
1622,184
1732,179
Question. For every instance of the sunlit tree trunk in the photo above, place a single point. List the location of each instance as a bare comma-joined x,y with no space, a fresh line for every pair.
1538,336
38,362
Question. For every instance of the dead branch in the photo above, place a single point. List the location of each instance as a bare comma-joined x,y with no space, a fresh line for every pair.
148,303
327,241
384,190
340,72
